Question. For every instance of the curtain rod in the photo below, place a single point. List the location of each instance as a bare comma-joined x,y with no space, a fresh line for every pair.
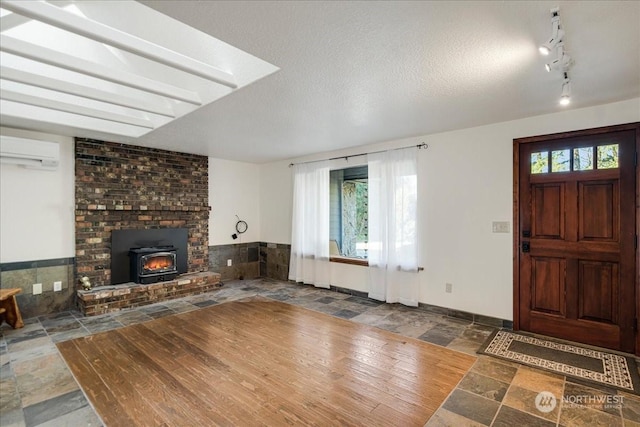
420,146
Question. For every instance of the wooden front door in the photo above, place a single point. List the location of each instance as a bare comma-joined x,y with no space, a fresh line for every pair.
576,219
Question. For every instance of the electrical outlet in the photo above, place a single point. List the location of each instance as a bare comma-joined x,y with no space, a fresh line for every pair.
229,263
57,286
37,288
448,288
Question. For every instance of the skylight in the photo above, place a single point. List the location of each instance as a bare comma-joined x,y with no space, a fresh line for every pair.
102,68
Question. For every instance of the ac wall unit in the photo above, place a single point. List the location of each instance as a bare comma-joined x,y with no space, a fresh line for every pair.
29,153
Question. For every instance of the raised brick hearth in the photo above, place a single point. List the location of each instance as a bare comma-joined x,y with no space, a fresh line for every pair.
107,299
121,187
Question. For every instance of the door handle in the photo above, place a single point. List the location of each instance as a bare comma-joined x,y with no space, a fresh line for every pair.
526,247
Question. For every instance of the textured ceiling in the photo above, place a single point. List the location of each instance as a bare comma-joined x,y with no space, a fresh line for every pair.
354,73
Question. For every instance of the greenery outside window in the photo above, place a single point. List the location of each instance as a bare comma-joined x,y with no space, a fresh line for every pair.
348,224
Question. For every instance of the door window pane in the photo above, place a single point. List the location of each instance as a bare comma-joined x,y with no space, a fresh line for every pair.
561,160
540,162
608,156
583,159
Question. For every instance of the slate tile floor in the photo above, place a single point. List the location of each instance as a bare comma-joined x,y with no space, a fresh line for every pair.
37,389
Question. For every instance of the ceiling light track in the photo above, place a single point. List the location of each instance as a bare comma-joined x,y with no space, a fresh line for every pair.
53,15
563,61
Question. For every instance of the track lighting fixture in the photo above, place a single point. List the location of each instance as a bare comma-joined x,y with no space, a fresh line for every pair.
563,61
556,34
565,97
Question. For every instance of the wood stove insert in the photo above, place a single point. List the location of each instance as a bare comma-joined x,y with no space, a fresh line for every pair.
156,264
129,246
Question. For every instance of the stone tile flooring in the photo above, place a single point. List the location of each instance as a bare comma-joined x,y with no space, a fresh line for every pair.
37,389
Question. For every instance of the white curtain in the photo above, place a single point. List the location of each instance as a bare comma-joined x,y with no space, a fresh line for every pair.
310,225
393,233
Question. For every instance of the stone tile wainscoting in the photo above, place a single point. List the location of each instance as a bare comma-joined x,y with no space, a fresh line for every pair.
251,260
274,260
121,187
24,275
245,260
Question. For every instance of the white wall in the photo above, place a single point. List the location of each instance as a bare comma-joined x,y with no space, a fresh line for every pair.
234,189
466,182
276,192
37,207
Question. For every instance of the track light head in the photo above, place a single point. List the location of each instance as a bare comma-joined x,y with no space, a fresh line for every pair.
544,50
565,97
556,33
561,63
546,47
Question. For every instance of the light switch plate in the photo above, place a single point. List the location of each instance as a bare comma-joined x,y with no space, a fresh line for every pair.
229,262
57,286
501,226
37,288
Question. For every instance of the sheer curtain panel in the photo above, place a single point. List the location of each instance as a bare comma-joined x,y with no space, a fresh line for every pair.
310,225
393,233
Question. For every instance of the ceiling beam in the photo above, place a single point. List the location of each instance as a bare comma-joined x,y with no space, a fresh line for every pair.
12,20
72,63
102,33
62,123
22,98
37,80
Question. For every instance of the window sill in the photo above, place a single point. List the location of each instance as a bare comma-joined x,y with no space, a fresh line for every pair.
352,261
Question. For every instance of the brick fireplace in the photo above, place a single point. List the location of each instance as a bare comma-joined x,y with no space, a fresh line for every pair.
120,187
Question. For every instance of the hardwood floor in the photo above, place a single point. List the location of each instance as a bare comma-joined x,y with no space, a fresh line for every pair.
261,362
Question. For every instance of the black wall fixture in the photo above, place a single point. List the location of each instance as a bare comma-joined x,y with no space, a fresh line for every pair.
241,227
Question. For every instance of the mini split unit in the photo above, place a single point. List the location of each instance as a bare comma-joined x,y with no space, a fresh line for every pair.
29,153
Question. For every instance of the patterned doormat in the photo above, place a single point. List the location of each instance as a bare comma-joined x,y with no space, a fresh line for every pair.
602,368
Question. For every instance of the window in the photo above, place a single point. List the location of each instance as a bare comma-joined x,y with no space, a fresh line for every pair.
576,159
348,217
608,156
583,159
560,161
540,162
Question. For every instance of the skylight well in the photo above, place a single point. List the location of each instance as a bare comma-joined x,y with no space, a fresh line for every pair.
91,69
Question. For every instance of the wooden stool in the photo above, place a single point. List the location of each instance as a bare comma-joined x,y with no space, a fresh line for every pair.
9,310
